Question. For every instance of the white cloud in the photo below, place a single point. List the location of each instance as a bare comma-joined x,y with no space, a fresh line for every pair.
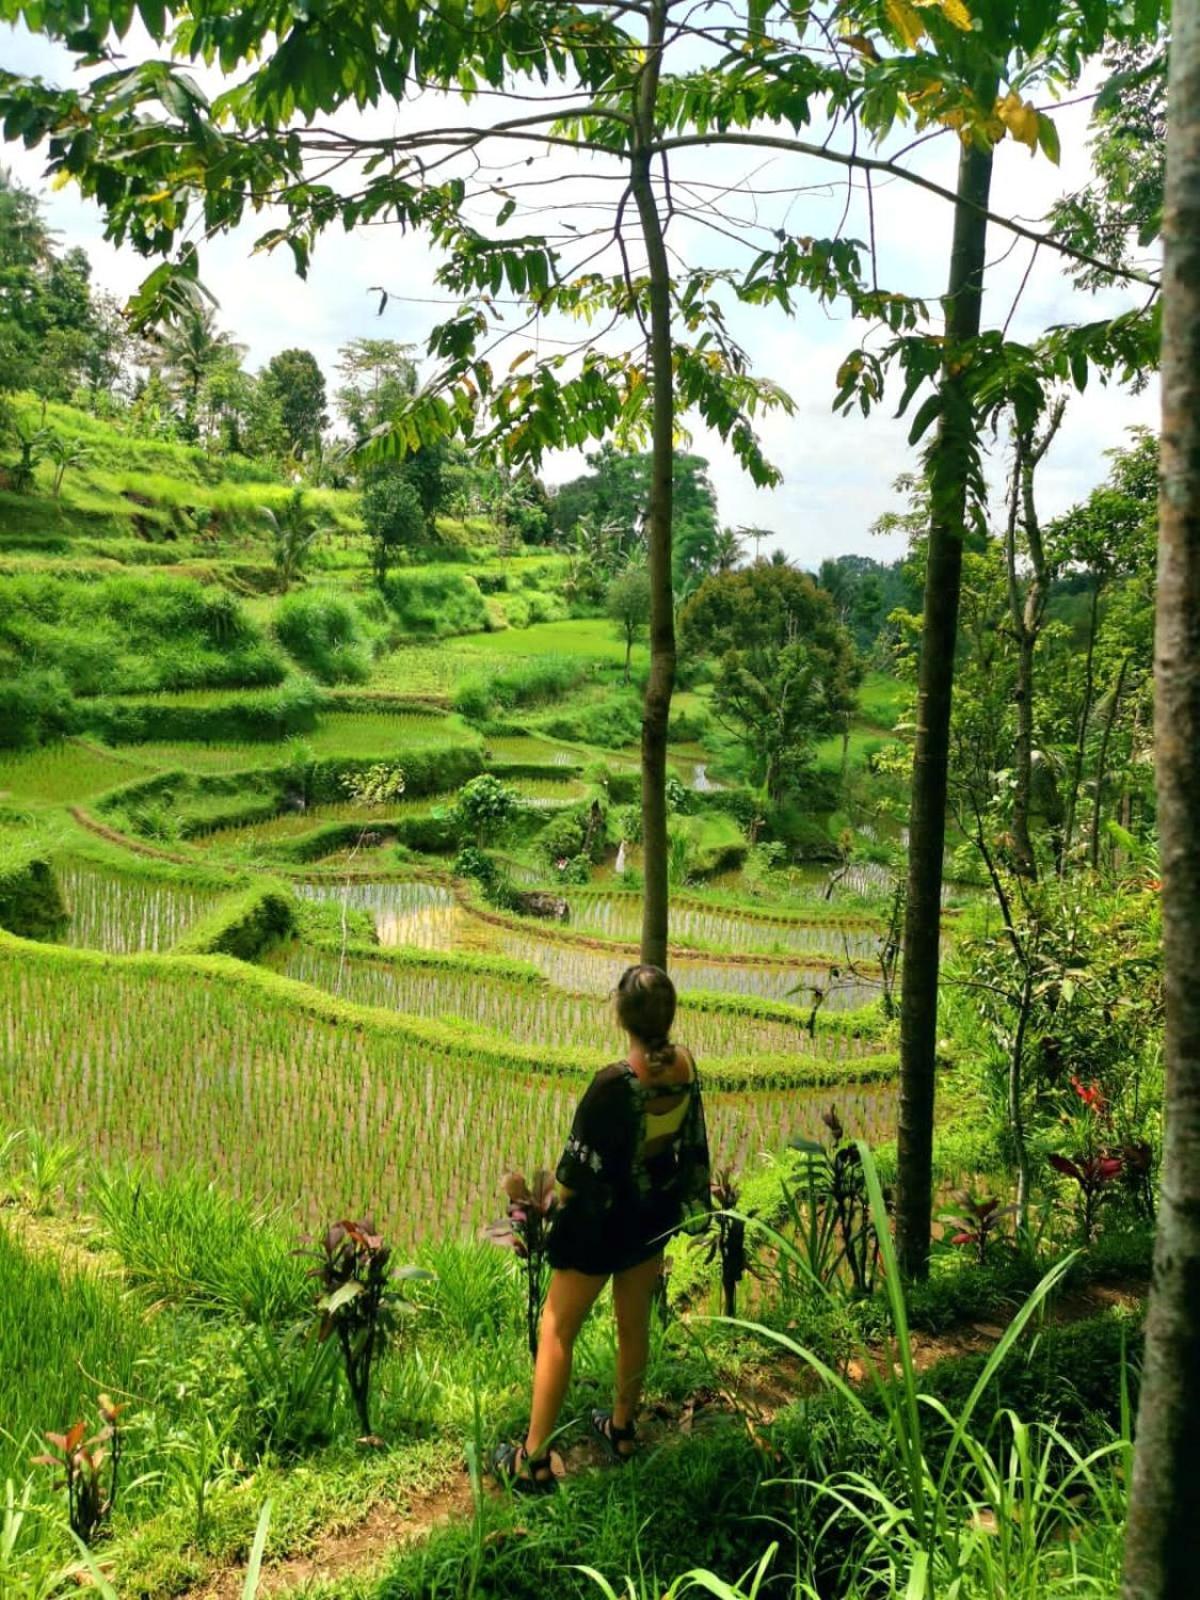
837,472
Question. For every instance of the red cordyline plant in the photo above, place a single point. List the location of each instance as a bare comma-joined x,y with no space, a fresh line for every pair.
1093,1172
91,1490
1092,1098
979,1224
358,1303
525,1229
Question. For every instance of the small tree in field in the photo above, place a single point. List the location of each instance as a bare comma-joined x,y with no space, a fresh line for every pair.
628,604
295,527
393,518
484,806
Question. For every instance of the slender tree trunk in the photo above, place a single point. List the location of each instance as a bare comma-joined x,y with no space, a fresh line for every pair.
927,820
1162,1547
1102,759
1028,614
1023,754
657,711
1016,1099
1085,712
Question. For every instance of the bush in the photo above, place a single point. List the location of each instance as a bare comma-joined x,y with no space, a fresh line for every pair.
127,635
436,604
243,926
611,723
30,902
565,836
35,707
327,634
531,683
274,714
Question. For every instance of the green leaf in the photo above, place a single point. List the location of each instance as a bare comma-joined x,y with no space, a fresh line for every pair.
254,1565
928,413
341,1297
506,211
1033,18
1047,136
154,17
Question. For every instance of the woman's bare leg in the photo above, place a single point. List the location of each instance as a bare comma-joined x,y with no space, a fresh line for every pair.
570,1298
633,1297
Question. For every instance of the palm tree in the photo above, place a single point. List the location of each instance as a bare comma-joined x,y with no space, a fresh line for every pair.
295,527
188,350
728,549
65,454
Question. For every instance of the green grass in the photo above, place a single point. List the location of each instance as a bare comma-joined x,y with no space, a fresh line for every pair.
68,772
882,700
63,1337
591,637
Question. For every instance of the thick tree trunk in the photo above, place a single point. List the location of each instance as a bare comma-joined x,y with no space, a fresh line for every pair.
1162,1548
657,710
927,822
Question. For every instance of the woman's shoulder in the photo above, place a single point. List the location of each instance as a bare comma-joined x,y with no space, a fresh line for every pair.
608,1083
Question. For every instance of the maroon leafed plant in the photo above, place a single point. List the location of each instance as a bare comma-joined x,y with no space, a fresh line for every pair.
1093,1172
727,1241
89,1469
1137,1173
358,1303
979,1224
525,1229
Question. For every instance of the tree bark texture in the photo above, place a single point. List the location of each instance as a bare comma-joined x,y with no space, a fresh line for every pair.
1162,1550
657,707
1085,713
927,820
1028,615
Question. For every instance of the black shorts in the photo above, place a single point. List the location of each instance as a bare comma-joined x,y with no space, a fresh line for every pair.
601,1243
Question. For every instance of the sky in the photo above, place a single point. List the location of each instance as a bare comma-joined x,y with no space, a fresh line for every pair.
838,473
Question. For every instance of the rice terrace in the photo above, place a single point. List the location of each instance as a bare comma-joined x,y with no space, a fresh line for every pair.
599,800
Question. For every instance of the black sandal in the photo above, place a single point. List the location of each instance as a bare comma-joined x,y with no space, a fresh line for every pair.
612,1437
515,1469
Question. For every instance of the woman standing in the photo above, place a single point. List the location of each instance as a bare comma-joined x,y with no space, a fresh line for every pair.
635,1168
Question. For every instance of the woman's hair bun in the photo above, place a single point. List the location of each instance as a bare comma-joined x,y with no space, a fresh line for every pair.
646,1009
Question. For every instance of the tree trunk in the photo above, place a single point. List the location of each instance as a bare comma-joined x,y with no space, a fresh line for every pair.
1028,616
657,711
1162,1547
1023,857
628,654
927,819
1102,759
1085,712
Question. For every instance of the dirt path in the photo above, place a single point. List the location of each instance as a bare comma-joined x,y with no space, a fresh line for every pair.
361,1549
368,1545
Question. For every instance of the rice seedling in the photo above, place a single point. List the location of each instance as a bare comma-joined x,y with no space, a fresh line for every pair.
65,772
121,914
537,1014
517,748
578,968
424,670
408,911
620,916
177,1070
